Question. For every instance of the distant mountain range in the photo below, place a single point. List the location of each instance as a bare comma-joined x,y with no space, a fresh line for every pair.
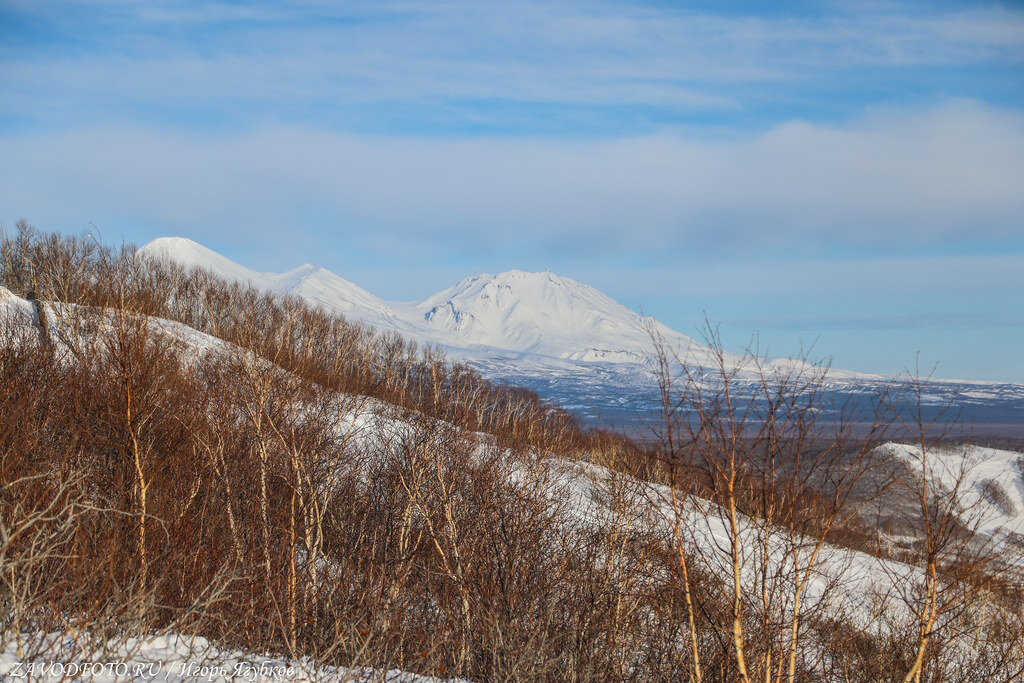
509,315
562,338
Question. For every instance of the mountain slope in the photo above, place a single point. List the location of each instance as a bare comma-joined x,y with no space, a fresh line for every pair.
317,285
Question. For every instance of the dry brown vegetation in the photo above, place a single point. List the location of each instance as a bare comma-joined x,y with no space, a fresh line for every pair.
149,487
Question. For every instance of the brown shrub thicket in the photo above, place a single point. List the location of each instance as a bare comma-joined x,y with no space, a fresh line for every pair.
317,489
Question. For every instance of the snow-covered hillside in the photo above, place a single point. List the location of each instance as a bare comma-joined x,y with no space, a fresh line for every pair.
839,580
18,313
562,338
990,482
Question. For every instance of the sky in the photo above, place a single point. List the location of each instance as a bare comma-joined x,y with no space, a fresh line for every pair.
843,175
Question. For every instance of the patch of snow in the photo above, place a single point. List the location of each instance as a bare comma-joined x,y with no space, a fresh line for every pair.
170,657
992,486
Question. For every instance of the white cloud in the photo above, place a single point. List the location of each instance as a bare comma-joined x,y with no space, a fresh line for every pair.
938,177
314,59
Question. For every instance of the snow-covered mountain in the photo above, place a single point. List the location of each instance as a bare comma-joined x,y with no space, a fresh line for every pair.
562,338
543,313
512,314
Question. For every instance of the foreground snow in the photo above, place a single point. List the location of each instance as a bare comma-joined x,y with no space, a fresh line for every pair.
172,657
508,314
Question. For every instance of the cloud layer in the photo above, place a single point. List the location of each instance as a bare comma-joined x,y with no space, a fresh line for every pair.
553,66
895,180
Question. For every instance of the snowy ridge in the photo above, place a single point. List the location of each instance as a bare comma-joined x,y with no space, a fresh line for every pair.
514,314
317,285
16,310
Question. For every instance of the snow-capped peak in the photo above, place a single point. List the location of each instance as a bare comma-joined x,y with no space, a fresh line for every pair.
540,313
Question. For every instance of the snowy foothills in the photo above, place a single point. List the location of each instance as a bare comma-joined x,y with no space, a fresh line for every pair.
212,473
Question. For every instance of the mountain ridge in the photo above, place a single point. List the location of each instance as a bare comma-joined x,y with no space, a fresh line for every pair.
513,313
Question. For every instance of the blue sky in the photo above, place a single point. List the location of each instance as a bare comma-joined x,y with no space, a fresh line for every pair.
850,174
